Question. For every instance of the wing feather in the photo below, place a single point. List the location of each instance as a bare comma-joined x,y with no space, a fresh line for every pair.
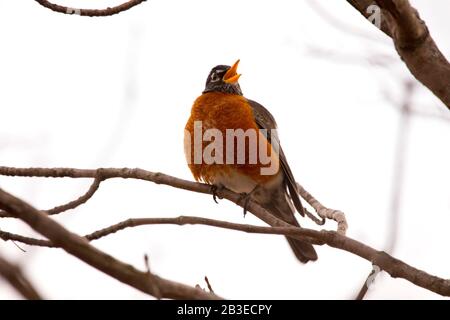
265,120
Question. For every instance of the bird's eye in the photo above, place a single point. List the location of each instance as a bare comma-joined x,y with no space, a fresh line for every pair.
214,77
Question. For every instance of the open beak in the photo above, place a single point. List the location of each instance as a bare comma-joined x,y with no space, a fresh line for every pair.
231,76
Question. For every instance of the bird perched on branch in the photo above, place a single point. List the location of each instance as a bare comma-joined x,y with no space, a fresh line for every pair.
231,142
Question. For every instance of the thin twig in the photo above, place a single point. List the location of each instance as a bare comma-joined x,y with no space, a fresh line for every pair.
398,179
365,287
90,12
8,236
153,282
18,247
209,285
324,212
68,206
319,222
400,165
181,220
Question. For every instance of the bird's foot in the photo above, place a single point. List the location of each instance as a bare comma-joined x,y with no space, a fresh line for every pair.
244,198
214,190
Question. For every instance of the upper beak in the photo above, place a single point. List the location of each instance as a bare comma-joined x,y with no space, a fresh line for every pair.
231,76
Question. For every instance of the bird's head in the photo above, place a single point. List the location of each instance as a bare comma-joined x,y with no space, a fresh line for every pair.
224,79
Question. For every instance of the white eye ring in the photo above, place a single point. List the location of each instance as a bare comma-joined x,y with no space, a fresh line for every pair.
214,77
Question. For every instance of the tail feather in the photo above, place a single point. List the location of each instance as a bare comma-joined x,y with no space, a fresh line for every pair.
280,207
303,251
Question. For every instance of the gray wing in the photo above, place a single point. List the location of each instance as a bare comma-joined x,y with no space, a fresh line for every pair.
265,120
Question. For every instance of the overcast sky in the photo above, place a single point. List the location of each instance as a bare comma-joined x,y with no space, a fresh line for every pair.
117,92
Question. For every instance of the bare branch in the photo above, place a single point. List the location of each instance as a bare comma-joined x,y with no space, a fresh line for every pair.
90,12
80,248
319,222
14,276
160,178
323,211
414,44
400,159
393,266
181,220
8,236
365,287
398,178
184,220
75,203
158,294
68,206
209,285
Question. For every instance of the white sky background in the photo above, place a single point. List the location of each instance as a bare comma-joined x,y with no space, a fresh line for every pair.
117,91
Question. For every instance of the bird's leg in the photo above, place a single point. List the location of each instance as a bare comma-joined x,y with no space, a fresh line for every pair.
246,197
214,189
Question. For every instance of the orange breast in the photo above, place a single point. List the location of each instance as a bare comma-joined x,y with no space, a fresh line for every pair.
221,111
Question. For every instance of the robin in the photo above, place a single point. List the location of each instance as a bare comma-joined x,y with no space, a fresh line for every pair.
221,108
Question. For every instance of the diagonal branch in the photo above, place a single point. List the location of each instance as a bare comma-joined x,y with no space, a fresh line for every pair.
414,44
80,248
90,12
363,7
14,276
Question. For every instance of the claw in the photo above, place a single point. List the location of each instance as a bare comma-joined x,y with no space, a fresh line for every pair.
246,202
214,190
245,198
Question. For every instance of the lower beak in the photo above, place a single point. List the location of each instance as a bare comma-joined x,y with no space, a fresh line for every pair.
231,76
